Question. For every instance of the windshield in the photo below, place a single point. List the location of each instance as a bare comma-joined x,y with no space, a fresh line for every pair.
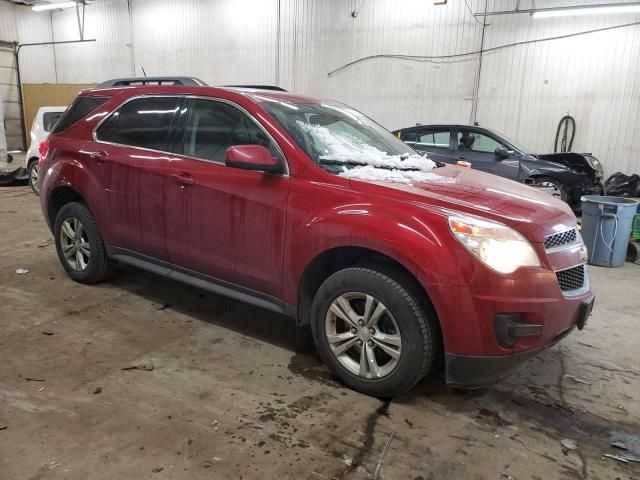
513,143
345,142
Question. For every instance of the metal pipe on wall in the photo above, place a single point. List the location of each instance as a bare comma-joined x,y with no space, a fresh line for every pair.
17,48
557,9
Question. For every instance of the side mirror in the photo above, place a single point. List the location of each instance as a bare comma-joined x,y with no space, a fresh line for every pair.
502,152
252,157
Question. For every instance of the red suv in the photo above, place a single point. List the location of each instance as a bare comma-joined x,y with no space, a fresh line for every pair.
308,208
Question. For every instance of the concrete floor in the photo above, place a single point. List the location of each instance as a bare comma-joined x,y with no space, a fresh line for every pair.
235,392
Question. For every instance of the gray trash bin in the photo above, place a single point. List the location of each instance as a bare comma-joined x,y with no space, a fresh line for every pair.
606,227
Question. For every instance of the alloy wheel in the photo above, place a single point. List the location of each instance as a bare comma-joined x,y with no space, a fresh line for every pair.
363,335
33,176
75,244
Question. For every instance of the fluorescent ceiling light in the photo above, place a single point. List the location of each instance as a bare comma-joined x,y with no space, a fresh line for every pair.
572,11
53,6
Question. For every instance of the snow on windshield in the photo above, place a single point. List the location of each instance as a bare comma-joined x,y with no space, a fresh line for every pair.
396,176
373,163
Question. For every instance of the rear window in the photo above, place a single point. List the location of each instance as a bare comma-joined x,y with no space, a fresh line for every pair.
80,108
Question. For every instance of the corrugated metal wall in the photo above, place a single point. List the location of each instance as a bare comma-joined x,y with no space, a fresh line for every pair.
523,91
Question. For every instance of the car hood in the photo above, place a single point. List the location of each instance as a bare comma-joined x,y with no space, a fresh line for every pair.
533,213
579,162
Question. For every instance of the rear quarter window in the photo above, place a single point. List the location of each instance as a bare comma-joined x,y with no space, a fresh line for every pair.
80,108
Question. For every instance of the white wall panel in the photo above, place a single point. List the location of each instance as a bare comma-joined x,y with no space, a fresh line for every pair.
17,24
524,90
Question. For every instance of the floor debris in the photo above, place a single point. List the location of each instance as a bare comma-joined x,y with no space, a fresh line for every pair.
616,457
157,469
142,366
378,470
575,379
45,243
97,391
215,425
569,444
47,332
21,271
159,305
627,442
34,379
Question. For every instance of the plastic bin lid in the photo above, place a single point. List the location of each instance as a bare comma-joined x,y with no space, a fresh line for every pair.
605,199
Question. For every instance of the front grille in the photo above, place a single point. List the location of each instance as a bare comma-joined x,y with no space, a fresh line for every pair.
571,278
559,239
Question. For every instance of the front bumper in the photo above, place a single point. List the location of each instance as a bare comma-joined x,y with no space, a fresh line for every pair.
470,371
475,371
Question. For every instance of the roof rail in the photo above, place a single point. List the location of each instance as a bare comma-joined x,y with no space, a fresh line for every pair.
258,87
133,81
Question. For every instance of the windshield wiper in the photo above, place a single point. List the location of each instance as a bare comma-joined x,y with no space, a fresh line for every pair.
353,163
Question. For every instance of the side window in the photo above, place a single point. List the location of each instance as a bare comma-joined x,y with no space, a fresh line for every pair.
213,126
49,120
476,142
143,122
434,138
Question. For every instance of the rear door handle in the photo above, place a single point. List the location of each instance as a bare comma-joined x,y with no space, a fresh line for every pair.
183,180
100,156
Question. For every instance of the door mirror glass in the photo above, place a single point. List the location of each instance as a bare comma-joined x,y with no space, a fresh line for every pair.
252,157
502,152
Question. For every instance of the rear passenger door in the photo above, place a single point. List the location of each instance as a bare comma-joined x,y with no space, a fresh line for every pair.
130,151
225,222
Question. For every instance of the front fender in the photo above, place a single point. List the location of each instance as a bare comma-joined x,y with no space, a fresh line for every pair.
421,243
553,170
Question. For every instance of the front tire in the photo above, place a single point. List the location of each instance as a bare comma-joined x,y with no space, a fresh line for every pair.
34,173
372,333
80,246
558,189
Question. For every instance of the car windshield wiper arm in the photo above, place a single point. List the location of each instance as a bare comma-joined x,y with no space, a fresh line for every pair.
353,163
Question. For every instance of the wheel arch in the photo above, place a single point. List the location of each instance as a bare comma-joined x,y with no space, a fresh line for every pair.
58,198
338,258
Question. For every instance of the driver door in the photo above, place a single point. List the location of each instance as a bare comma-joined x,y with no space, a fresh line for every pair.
479,149
221,221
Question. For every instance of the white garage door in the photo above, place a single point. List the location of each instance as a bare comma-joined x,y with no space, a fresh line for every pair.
10,97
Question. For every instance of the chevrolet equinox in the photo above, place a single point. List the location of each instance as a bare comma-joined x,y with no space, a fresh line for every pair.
306,207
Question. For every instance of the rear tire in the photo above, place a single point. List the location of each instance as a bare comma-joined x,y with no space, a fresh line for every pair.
33,172
372,333
80,246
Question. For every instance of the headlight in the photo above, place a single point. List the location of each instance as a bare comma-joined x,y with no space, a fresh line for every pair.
498,246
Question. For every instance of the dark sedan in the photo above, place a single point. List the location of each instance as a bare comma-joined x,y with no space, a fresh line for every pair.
566,175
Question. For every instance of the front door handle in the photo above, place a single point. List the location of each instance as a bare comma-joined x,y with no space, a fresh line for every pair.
462,158
100,156
184,180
